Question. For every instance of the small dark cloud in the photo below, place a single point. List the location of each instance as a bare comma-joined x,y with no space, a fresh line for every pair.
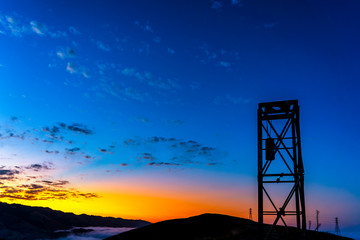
88,195
40,166
72,150
157,139
184,153
55,183
206,151
8,174
175,122
148,156
14,118
54,129
80,128
131,142
49,152
159,164
104,150
62,125
212,164
32,186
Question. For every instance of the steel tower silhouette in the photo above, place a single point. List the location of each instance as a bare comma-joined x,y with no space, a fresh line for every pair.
280,161
337,228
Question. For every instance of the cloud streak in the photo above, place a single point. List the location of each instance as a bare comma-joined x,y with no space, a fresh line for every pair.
38,28
172,152
19,183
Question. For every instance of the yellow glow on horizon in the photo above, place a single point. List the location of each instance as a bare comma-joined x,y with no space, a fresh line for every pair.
154,197
137,206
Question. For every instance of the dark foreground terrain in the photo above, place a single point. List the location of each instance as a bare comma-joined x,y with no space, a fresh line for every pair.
28,223
216,227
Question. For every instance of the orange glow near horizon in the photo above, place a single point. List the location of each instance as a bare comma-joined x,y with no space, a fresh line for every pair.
151,200
132,206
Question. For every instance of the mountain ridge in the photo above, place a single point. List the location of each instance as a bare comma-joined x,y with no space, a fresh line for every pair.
28,223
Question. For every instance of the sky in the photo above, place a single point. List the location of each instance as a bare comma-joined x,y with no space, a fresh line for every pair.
147,109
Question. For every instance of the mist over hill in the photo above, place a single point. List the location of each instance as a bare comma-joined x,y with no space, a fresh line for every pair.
30,223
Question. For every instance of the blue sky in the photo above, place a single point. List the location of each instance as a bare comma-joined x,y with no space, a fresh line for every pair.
120,90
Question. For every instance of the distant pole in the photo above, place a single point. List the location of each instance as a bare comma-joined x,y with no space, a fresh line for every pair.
317,220
250,214
309,224
337,228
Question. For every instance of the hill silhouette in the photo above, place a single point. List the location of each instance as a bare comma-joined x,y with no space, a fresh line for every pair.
28,223
216,227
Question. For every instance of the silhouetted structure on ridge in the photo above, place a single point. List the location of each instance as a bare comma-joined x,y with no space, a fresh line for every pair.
317,221
279,139
337,228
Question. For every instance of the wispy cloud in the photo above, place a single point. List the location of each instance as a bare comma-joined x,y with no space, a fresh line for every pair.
176,122
18,26
66,53
172,152
110,149
12,25
220,4
129,72
216,5
144,26
73,68
133,94
269,25
237,3
38,28
220,58
195,85
80,128
224,64
74,31
101,45
143,119
149,79
228,98
59,133
40,166
159,164
157,39
171,51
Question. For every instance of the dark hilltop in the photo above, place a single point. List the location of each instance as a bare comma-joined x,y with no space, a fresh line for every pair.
216,227
30,223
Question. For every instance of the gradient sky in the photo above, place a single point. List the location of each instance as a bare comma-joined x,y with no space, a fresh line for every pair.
147,109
